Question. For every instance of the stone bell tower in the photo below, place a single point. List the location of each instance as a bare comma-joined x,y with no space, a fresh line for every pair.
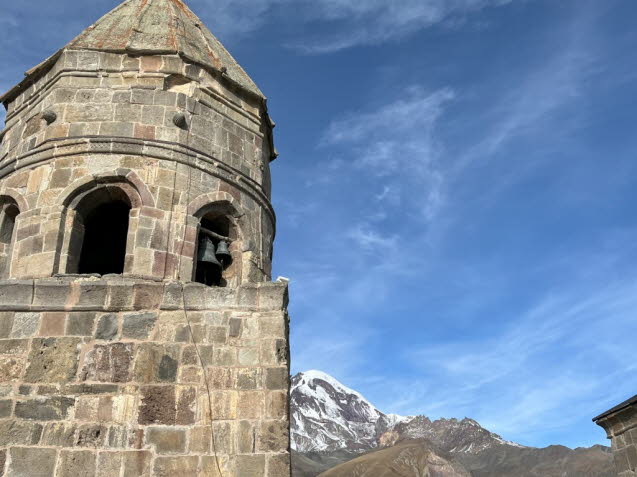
140,332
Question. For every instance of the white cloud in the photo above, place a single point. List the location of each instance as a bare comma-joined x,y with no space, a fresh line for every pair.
397,143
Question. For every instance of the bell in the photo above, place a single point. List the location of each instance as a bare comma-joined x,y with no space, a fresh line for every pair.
223,253
206,252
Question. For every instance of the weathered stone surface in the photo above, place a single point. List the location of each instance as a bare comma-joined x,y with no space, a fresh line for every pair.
76,464
14,346
21,433
137,464
52,360
80,324
6,407
109,464
251,465
277,378
10,368
172,466
58,434
108,363
25,325
167,440
156,363
158,405
107,327
31,462
138,325
52,408
91,435
273,436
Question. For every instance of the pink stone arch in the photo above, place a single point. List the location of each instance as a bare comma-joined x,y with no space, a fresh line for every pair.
198,206
8,194
124,179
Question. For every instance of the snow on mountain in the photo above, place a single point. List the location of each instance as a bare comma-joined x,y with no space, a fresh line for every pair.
328,416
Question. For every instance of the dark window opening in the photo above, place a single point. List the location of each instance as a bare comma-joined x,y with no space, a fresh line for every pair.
8,223
8,215
104,244
213,256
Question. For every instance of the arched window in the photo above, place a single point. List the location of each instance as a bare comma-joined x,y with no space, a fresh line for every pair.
99,232
214,261
8,213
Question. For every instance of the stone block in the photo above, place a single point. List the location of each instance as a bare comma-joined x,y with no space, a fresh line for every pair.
200,439
277,405
246,437
109,464
167,440
53,324
14,346
158,405
53,408
279,465
250,405
273,436
138,325
249,356
52,360
16,293
251,465
175,466
93,295
25,324
137,464
58,434
248,378
76,464
211,466
107,327
108,363
91,435
277,378
156,363
21,433
273,296
31,462
6,323
235,327
6,406
80,324
148,296
120,296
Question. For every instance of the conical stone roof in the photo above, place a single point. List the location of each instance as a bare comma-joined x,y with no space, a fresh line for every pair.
153,27
161,27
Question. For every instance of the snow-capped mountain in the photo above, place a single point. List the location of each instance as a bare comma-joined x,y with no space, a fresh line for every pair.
336,428
328,416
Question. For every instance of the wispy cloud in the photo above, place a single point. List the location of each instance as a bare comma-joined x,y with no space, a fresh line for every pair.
542,368
397,145
351,22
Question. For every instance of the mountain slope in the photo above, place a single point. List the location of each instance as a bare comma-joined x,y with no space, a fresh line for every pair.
410,458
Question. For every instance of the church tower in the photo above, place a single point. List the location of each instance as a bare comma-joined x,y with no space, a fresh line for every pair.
140,331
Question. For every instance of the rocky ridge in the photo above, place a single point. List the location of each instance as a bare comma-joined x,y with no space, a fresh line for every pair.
337,432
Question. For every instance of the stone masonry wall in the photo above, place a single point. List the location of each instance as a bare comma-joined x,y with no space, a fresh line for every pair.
114,122
621,428
106,375
100,378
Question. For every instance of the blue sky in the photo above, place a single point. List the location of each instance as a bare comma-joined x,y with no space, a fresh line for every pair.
455,194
